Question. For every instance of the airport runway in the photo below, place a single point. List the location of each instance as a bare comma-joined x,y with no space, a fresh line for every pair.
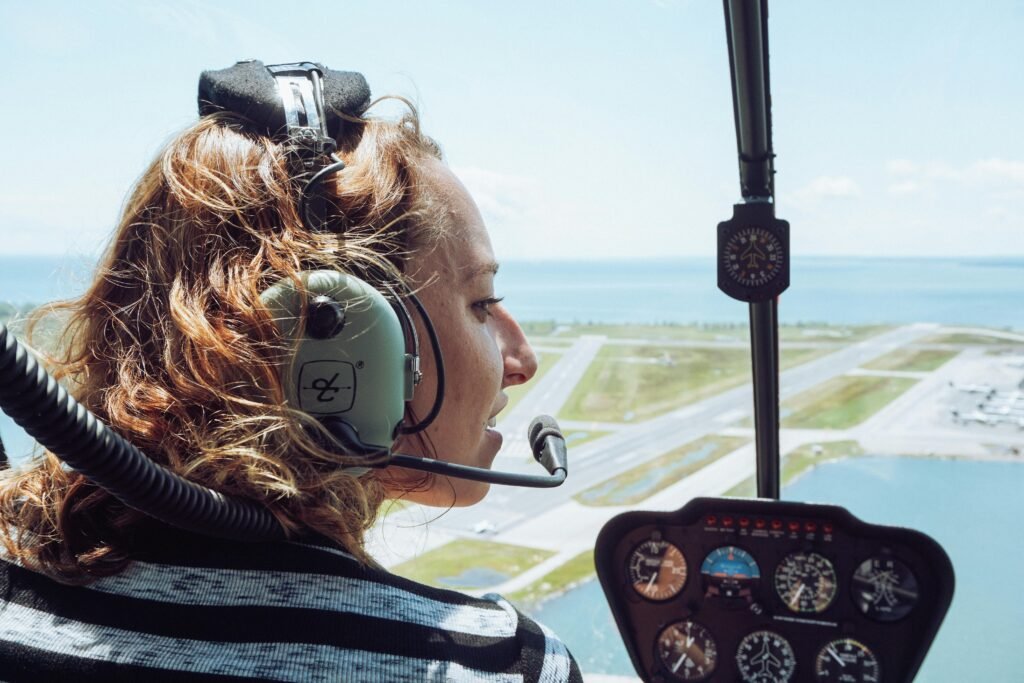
505,508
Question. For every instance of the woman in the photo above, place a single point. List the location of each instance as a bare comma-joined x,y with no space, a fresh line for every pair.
173,346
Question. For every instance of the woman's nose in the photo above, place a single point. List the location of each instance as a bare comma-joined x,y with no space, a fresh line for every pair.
516,352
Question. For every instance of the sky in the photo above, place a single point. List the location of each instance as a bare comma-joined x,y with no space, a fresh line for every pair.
583,129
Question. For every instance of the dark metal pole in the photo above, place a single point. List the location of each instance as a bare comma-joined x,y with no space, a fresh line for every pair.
747,33
764,354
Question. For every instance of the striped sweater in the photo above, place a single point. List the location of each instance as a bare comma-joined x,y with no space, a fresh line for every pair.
208,610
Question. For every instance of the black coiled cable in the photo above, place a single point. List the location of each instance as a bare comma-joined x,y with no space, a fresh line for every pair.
44,409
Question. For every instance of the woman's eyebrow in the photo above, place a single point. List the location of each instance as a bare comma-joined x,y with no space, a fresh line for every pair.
489,268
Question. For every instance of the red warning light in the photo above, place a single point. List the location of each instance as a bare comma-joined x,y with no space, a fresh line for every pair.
760,523
744,522
811,526
711,520
776,524
794,526
826,527
726,521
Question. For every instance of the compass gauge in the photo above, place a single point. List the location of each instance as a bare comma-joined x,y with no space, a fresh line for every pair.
753,256
765,657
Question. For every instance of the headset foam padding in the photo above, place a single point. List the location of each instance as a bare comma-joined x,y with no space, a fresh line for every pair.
248,89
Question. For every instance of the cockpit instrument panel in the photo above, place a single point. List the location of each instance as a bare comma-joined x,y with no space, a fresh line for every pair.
764,591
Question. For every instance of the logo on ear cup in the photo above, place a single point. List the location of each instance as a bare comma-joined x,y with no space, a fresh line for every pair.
327,387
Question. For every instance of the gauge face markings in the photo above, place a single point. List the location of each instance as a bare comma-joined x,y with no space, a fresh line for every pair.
657,570
765,657
753,256
884,588
847,661
687,650
805,582
729,572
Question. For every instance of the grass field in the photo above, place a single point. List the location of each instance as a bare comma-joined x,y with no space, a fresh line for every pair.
911,360
627,383
575,438
798,461
841,334
579,568
638,483
842,402
469,563
970,340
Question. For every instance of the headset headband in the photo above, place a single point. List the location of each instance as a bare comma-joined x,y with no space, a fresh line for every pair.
303,103
251,89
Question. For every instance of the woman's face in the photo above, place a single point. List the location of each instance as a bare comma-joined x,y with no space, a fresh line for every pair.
484,348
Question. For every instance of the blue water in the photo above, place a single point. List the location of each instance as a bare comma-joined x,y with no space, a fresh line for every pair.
986,292
973,509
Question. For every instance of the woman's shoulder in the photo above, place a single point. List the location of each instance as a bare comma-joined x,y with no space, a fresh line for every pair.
307,600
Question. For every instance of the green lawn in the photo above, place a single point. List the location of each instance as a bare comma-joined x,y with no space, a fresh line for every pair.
911,360
639,483
842,402
626,383
798,461
577,437
576,570
469,563
842,334
969,339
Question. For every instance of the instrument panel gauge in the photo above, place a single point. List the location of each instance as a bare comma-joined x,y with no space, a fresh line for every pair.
657,569
806,582
765,657
847,661
753,256
730,572
687,650
884,588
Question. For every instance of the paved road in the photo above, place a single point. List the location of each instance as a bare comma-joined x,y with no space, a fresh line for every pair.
596,461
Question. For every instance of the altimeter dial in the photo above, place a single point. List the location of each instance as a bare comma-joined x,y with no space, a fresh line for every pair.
805,582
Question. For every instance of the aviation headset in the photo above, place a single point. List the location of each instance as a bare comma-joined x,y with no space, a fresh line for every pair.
357,360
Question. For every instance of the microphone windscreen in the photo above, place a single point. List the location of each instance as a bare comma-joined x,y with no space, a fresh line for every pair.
541,427
248,89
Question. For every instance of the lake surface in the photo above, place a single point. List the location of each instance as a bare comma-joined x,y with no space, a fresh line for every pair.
971,508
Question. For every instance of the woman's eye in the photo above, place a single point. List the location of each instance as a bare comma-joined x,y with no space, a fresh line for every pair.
483,306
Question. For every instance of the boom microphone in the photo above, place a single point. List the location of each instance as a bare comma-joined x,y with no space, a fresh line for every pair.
546,442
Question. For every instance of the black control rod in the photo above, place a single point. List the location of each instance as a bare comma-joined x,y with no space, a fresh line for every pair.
746,24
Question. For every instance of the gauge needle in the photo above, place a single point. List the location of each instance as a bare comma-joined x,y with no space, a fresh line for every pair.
796,596
650,584
679,663
835,656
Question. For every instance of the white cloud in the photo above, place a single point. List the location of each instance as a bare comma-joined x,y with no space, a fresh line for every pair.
827,187
502,198
905,187
901,167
